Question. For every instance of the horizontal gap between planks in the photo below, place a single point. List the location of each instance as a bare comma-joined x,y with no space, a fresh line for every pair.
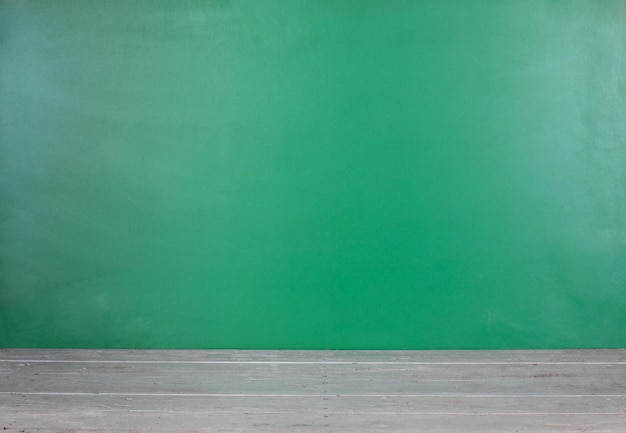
334,395
401,413
383,413
75,361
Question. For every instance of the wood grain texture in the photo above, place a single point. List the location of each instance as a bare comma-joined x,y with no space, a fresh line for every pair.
317,391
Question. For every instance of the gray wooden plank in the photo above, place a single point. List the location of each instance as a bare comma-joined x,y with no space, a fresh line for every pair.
245,391
79,419
316,356
417,405
297,379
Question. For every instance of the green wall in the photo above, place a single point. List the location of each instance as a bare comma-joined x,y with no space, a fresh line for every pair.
313,174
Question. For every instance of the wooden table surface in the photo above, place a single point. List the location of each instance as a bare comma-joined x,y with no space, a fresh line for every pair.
312,391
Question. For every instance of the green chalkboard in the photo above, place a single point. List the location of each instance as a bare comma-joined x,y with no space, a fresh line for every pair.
313,174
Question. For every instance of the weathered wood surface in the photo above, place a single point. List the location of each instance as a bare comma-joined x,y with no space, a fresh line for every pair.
317,391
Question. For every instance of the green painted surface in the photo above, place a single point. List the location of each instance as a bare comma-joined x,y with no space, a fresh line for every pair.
313,174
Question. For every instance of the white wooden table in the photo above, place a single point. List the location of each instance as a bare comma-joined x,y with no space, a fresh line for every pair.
312,391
